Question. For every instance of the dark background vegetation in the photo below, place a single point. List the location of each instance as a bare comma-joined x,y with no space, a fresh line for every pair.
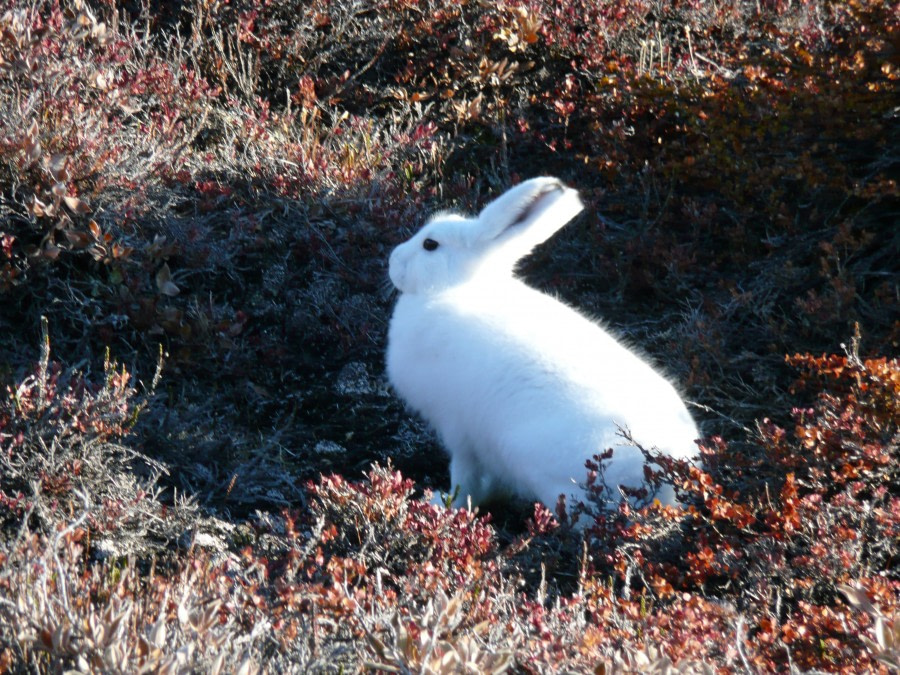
200,197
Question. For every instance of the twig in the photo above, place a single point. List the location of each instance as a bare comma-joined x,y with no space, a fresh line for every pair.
725,71
371,62
687,32
61,576
44,362
739,641
706,408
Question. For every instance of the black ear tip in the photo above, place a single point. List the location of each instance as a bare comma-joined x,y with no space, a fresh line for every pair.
548,189
556,186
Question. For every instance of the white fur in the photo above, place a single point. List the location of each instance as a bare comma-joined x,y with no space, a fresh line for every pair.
521,388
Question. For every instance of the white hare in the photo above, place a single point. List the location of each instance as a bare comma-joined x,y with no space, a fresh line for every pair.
521,388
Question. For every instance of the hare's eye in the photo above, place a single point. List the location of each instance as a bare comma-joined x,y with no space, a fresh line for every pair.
429,244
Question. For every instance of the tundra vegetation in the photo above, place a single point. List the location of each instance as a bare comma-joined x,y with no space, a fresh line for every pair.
201,467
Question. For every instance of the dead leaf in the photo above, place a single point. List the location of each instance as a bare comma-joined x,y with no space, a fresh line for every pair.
262,392
78,239
117,251
857,597
76,205
164,281
58,165
529,25
33,153
37,207
158,633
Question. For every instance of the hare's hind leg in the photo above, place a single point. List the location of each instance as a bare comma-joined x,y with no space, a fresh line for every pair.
468,477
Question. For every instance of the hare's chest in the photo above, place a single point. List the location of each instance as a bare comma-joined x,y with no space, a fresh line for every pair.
419,344
438,358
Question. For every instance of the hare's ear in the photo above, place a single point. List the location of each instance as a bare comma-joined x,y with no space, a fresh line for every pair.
526,215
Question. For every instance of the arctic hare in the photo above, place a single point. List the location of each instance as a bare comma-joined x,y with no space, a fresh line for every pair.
521,388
